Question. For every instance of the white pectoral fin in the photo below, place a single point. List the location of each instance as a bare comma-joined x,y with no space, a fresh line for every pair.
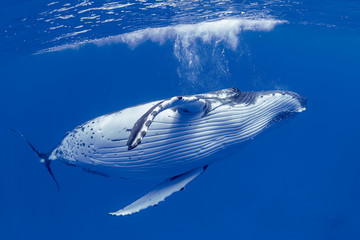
160,192
140,128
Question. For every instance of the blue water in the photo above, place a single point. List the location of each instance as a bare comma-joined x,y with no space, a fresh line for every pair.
65,62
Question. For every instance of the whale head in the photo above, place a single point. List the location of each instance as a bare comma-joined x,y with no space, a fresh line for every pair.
260,110
283,105
242,115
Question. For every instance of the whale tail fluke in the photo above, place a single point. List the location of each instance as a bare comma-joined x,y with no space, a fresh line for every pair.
43,156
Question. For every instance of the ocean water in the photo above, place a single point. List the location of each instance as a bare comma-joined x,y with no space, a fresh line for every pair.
65,62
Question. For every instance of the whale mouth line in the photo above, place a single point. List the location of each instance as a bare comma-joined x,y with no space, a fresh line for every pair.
284,115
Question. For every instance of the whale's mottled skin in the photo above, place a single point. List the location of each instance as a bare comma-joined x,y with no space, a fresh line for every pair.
173,139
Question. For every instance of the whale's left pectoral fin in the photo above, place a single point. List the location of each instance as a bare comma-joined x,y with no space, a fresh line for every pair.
160,192
186,103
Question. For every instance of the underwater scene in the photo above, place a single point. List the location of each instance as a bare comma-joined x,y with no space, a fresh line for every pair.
180,119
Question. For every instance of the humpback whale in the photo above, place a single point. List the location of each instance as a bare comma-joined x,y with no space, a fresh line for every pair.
173,140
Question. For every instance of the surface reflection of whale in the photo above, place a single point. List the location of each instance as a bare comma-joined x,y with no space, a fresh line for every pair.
173,139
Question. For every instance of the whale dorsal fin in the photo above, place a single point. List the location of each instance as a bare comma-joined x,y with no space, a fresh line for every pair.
140,128
160,192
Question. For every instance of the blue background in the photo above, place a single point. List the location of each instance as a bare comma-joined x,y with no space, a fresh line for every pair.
300,181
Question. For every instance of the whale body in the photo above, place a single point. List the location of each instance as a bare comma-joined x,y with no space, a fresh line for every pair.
173,139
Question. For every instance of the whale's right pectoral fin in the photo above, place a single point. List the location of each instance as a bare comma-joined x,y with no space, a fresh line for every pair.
186,103
160,192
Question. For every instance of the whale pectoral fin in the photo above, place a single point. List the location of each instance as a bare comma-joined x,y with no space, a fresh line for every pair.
140,128
160,192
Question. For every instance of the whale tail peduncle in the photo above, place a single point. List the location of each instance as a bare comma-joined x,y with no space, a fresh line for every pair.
43,156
